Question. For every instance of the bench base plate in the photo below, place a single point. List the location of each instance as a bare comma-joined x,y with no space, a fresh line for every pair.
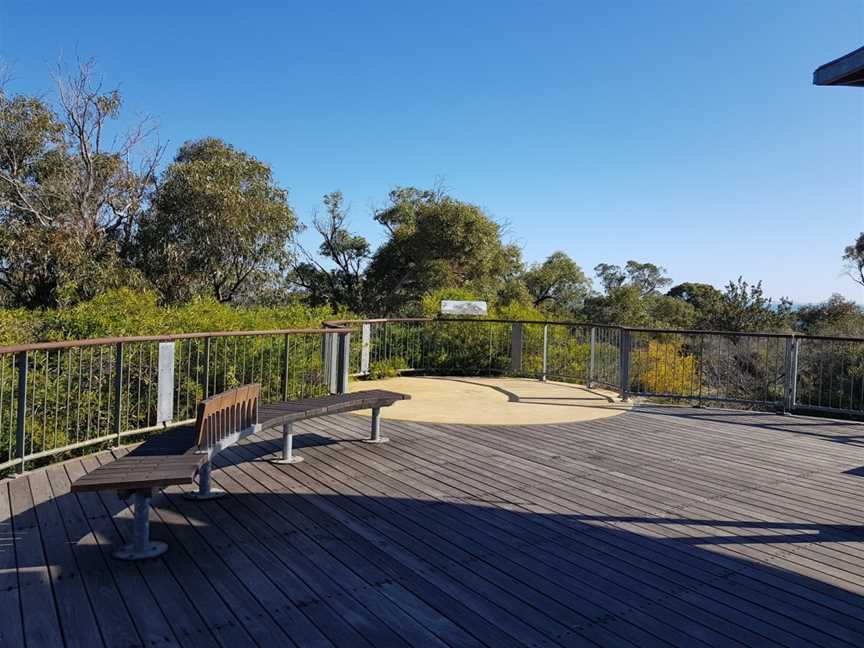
283,462
213,493
378,440
152,550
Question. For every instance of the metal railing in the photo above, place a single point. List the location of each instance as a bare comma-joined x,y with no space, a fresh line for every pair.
793,373
56,397
60,396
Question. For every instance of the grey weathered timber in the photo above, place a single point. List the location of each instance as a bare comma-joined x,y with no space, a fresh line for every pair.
661,526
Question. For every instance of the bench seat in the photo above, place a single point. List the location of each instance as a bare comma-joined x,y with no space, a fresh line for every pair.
276,414
169,459
178,455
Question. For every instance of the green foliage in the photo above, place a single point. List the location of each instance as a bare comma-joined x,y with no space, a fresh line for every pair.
647,278
344,283
219,225
835,316
389,368
853,258
744,307
436,241
558,285
126,312
70,197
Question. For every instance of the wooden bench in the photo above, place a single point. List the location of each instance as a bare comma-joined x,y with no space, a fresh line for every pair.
178,455
286,413
175,457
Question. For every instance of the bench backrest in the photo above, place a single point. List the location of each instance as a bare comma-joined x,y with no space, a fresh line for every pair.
224,418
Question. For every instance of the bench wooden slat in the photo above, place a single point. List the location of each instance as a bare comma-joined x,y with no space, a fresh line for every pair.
131,472
288,412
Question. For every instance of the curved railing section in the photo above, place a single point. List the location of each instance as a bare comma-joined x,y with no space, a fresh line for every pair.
56,397
794,373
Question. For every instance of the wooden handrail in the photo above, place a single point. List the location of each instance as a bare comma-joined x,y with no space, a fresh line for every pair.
64,344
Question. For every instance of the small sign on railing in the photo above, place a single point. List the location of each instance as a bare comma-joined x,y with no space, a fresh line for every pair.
452,307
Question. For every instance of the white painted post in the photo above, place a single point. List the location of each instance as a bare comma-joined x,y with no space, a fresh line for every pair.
365,344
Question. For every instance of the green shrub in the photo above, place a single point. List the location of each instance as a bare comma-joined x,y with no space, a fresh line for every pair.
387,368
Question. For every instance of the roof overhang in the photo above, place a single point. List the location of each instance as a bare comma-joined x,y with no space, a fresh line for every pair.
847,70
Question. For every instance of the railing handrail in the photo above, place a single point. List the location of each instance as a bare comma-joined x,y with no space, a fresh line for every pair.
635,329
65,344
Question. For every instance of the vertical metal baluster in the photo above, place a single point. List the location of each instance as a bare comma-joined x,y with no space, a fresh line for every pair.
285,368
118,391
207,367
21,421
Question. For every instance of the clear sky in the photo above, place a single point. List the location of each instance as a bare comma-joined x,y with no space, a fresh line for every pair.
683,133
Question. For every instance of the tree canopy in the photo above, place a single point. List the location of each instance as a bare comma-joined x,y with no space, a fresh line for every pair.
218,225
557,285
436,241
70,196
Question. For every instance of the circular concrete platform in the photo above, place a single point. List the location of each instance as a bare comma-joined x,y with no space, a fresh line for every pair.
493,401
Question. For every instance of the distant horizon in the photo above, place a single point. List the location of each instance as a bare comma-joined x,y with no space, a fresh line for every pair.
646,133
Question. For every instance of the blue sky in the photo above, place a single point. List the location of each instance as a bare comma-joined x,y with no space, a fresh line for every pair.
683,133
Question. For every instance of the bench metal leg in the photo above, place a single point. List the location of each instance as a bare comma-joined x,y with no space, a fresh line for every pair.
376,428
288,456
205,490
141,546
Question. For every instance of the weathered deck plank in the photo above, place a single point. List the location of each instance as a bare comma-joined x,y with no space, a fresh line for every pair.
659,527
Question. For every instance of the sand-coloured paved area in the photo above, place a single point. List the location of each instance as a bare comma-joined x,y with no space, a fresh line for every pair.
493,401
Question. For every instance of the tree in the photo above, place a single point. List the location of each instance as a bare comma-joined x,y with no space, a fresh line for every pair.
701,296
621,305
646,277
343,285
744,307
611,276
625,306
70,197
834,316
219,225
853,258
435,242
558,284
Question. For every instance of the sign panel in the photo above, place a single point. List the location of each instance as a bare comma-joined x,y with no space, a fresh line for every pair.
165,398
451,307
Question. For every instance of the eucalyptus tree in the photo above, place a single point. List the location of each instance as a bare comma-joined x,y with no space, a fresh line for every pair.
219,225
70,194
435,242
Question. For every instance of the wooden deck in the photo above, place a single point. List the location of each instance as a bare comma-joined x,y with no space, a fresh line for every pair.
658,527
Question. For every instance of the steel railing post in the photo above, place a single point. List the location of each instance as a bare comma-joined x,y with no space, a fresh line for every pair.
20,424
118,390
516,347
791,374
591,357
545,351
624,357
342,362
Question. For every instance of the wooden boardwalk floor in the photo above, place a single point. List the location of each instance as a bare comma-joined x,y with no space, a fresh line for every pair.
658,527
